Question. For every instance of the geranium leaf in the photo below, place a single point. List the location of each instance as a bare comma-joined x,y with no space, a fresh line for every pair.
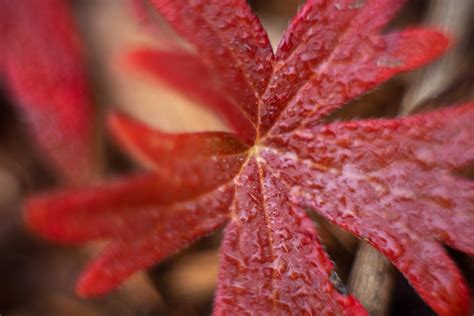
271,259
43,67
352,69
322,29
191,163
243,60
172,228
391,182
179,71
102,212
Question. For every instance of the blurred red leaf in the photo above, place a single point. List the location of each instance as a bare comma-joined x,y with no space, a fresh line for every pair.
389,182
43,67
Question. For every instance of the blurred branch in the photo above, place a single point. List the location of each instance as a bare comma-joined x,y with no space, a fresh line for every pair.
372,280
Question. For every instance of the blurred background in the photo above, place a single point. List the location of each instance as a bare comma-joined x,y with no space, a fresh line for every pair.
37,278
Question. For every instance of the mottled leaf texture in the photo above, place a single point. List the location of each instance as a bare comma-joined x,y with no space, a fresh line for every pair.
391,182
42,66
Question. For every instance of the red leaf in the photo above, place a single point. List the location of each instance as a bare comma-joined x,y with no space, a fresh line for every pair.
44,69
271,259
179,70
233,46
390,182
172,228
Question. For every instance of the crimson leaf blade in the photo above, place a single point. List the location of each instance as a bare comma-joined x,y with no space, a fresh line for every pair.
271,259
43,66
179,71
244,58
